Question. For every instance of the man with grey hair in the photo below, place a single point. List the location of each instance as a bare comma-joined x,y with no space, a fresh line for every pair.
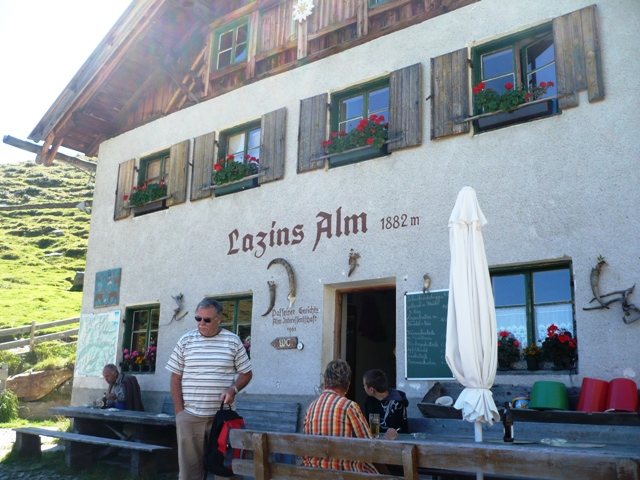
123,392
208,366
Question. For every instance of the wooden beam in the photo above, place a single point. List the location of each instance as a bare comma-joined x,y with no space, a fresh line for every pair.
48,156
33,148
93,123
44,149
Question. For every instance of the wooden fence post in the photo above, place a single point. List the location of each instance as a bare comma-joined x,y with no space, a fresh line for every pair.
32,335
4,374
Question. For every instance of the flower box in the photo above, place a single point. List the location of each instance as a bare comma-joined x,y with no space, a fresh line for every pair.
356,155
233,187
149,207
519,115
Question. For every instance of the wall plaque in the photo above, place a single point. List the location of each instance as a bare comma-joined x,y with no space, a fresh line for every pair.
285,343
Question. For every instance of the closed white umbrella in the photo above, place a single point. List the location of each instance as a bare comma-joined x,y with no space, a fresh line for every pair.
472,350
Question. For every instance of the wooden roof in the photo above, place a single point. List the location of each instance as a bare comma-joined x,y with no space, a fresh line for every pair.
155,59
152,40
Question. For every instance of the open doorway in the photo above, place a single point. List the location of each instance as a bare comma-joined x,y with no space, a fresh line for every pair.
368,331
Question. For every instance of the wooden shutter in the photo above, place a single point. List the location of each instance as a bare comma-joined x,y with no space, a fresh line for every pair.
449,93
405,107
312,132
203,159
272,145
125,183
577,52
177,181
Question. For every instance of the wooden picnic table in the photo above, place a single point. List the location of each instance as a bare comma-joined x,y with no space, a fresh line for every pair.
126,425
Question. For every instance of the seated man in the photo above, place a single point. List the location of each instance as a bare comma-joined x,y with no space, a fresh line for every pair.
390,403
124,391
332,414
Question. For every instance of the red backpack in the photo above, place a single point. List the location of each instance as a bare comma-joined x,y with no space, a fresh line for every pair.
219,453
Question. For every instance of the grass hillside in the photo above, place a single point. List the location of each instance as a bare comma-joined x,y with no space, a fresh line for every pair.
41,248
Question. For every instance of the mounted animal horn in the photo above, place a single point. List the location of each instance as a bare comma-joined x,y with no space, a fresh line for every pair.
292,280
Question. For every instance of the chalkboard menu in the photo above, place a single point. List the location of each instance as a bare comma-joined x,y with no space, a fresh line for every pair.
426,335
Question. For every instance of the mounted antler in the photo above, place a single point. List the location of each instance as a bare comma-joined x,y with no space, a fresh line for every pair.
292,280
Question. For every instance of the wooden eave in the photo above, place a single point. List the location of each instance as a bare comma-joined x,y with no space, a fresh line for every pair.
155,60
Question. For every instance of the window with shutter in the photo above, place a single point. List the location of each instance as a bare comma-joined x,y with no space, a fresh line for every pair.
514,75
366,121
543,68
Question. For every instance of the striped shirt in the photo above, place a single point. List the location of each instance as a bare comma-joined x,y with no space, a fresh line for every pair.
333,415
208,366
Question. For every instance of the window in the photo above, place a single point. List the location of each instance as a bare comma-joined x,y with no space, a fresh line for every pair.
230,44
524,61
572,39
153,169
236,317
397,98
242,142
528,300
373,3
141,329
349,107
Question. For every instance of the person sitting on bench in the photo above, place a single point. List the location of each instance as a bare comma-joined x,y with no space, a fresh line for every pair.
124,391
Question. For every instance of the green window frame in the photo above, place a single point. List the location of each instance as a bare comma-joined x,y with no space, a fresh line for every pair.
522,59
242,142
236,317
141,328
230,44
373,3
348,107
530,298
154,168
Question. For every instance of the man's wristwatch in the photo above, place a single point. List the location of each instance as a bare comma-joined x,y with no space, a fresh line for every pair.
235,388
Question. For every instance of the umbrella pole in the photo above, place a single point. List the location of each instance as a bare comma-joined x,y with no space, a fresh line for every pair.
478,431
477,428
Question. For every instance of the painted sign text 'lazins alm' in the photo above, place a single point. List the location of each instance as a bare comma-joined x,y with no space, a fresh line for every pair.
327,225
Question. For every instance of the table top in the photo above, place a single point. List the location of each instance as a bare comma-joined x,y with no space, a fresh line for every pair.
115,415
620,450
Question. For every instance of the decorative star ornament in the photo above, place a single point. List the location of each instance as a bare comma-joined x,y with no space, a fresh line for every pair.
302,10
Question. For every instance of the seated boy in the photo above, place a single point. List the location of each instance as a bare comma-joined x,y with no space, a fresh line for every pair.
390,403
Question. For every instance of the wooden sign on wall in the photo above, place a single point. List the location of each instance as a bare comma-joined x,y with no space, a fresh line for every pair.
285,343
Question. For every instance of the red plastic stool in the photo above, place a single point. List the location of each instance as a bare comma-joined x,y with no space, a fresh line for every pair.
593,395
623,395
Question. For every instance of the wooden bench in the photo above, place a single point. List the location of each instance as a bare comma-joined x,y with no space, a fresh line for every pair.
431,458
79,449
263,416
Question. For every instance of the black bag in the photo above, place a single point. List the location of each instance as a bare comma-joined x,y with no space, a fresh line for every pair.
218,453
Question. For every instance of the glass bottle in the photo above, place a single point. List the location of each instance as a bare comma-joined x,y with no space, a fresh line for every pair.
507,422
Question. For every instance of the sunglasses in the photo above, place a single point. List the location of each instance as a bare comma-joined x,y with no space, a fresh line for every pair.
202,319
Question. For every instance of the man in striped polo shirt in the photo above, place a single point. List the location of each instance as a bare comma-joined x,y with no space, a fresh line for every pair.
203,367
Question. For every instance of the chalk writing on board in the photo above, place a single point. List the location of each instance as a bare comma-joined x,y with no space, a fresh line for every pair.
426,332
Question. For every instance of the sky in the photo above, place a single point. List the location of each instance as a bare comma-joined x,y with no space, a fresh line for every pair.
43,43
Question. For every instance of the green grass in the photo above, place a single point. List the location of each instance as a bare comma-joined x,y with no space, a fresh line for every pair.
34,286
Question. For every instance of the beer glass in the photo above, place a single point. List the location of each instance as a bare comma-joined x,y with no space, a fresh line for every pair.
374,424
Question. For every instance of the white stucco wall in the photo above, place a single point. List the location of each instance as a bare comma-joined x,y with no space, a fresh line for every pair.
561,186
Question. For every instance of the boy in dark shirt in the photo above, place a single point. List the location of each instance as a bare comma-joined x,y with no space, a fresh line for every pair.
390,403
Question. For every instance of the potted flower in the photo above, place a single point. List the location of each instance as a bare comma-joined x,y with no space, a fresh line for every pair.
509,106
130,360
508,349
532,355
231,175
366,140
148,197
149,359
560,347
